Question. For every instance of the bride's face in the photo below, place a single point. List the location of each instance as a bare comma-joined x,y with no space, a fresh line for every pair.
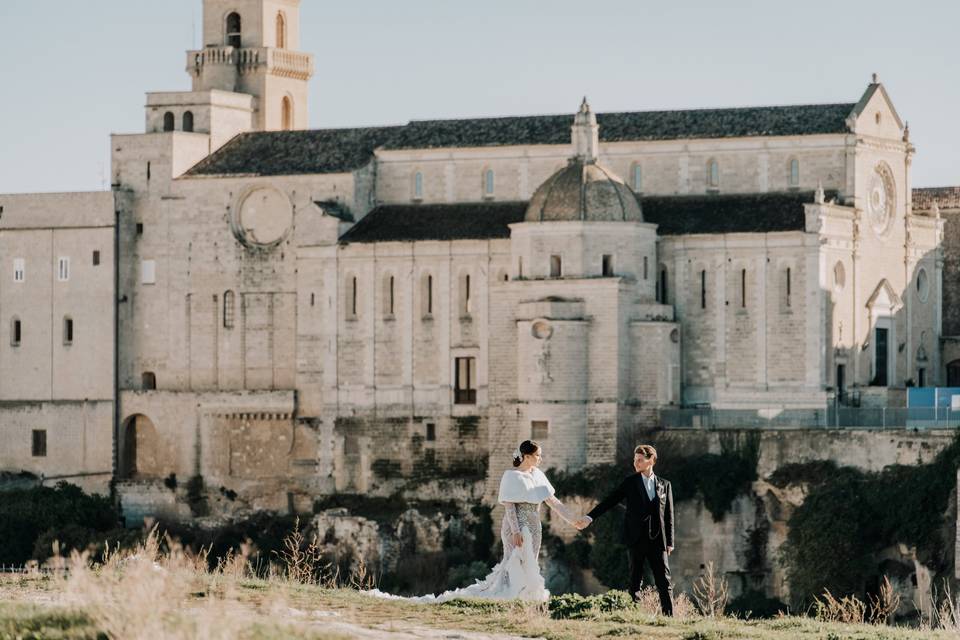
533,459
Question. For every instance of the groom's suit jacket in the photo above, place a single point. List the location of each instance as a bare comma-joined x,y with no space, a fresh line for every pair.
643,515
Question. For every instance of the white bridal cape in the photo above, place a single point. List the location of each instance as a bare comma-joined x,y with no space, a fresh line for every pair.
518,574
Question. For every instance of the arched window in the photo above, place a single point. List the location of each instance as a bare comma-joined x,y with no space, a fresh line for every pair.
418,186
148,381
953,374
636,177
228,309
286,114
713,174
662,285
426,295
389,296
556,266
281,31
703,288
466,303
793,173
169,122
16,331
923,285
67,330
234,30
353,294
488,183
188,121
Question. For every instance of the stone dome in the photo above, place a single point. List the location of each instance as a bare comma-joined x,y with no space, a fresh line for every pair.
584,190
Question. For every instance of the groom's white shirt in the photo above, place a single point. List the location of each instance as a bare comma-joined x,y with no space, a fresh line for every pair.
650,484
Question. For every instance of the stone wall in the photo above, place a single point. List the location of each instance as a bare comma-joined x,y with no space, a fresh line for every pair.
700,538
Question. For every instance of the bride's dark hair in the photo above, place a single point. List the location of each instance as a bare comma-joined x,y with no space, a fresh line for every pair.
526,448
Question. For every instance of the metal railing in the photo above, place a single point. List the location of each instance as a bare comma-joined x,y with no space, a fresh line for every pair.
826,418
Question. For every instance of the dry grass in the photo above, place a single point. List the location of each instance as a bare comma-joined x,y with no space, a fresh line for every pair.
711,592
160,590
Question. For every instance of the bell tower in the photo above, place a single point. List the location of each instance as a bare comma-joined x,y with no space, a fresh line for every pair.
250,47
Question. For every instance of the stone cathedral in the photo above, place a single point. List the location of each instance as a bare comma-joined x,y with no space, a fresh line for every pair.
287,313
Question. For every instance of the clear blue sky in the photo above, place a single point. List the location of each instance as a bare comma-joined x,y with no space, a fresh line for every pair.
73,71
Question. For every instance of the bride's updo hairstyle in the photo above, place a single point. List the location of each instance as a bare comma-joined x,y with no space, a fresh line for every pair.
526,448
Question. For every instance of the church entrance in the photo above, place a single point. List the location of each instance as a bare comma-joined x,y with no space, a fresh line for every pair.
953,374
139,446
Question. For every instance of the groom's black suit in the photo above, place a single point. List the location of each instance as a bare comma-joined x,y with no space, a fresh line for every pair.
647,532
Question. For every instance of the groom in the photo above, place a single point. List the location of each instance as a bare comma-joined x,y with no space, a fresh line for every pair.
648,525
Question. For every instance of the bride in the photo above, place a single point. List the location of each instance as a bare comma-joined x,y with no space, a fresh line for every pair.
522,490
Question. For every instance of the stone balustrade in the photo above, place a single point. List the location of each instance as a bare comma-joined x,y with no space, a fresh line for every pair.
281,62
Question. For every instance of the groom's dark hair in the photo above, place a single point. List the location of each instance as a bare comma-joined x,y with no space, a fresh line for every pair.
646,450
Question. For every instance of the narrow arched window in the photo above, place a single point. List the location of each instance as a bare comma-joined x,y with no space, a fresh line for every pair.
556,266
228,309
788,286
234,25
488,183
713,174
794,173
16,331
662,285
418,186
67,330
188,121
636,176
148,381
466,304
354,293
281,31
389,296
169,122
286,114
703,288
426,295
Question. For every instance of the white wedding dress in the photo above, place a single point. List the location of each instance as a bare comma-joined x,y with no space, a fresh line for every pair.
517,576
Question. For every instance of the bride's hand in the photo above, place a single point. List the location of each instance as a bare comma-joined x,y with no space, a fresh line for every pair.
518,539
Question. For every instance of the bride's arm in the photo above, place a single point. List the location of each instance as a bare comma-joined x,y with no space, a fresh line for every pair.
562,510
510,515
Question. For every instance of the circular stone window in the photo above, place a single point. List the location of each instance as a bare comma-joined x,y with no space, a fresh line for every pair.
923,285
263,218
675,336
541,330
881,198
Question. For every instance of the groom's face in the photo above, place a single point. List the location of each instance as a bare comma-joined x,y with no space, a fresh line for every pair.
641,462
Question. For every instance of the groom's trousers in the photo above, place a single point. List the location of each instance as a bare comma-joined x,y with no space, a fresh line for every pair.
651,552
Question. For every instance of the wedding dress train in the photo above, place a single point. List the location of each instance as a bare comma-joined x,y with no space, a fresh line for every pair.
517,576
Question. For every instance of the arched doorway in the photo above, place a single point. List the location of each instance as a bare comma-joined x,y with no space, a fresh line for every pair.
139,449
953,374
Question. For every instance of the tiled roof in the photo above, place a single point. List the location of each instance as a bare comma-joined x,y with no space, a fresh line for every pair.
626,126
271,153
675,215
734,213
278,153
946,197
460,221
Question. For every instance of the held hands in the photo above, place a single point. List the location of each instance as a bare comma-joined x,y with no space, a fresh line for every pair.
582,523
518,539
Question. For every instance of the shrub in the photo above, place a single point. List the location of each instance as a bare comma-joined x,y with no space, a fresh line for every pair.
755,604
814,472
26,514
854,515
573,606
